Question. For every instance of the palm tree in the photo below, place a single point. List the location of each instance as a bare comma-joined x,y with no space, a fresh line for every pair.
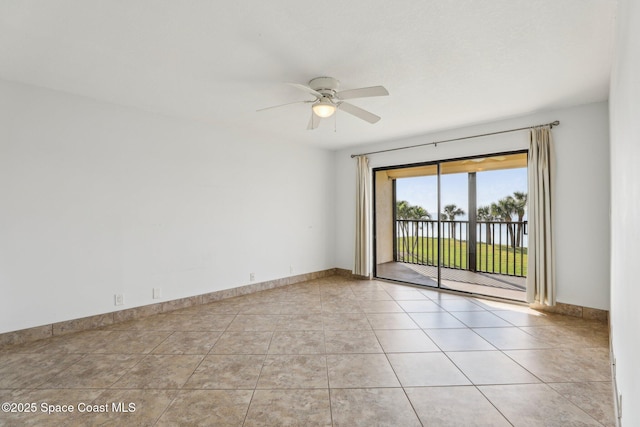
419,213
407,211
403,211
504,210
450,212
484,214
520,207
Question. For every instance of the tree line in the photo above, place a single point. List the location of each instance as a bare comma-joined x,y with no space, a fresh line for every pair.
504,210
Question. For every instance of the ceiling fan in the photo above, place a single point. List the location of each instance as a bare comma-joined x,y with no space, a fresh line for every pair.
329,99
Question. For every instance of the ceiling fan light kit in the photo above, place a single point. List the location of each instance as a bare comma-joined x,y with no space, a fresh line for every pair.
324,108
329,99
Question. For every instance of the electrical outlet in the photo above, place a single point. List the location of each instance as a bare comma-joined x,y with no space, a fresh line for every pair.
290,269
157,293
252,277
118,299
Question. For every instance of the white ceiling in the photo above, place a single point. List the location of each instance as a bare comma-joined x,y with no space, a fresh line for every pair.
445,63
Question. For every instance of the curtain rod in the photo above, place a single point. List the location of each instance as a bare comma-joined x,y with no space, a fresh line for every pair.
435,143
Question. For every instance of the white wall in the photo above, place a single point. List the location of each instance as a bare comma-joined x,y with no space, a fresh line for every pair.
625,209
98,199
581,199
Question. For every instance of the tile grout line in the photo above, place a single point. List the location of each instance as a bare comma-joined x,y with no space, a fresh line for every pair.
492,404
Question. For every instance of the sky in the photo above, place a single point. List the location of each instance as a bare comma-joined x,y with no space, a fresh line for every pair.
491,186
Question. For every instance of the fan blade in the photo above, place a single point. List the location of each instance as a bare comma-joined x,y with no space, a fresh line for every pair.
307,89
363,92
314,121
358,112
284,105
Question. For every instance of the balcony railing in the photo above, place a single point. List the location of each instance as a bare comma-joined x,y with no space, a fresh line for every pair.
491,246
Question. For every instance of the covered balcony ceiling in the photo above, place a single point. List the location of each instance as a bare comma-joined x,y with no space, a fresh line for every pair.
479,164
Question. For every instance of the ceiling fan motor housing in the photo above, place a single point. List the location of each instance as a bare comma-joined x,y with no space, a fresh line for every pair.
328,86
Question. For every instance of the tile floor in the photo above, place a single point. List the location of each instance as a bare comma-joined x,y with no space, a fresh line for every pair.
333,351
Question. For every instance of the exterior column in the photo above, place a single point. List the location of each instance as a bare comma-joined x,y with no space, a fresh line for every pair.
473,220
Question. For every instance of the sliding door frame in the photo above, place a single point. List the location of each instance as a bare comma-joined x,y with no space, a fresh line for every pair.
438,164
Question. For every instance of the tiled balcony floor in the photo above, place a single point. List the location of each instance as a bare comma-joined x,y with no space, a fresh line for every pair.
333,351
489,284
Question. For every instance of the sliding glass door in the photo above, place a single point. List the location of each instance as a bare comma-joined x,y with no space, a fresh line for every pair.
407,245
458,224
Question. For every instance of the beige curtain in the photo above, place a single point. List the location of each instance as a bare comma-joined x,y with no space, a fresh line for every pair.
363,217
541,280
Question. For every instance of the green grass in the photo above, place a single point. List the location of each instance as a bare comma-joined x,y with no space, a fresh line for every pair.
500,259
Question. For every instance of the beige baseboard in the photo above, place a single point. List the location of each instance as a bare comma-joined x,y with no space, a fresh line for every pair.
101,320
575,311
343,272
348,273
